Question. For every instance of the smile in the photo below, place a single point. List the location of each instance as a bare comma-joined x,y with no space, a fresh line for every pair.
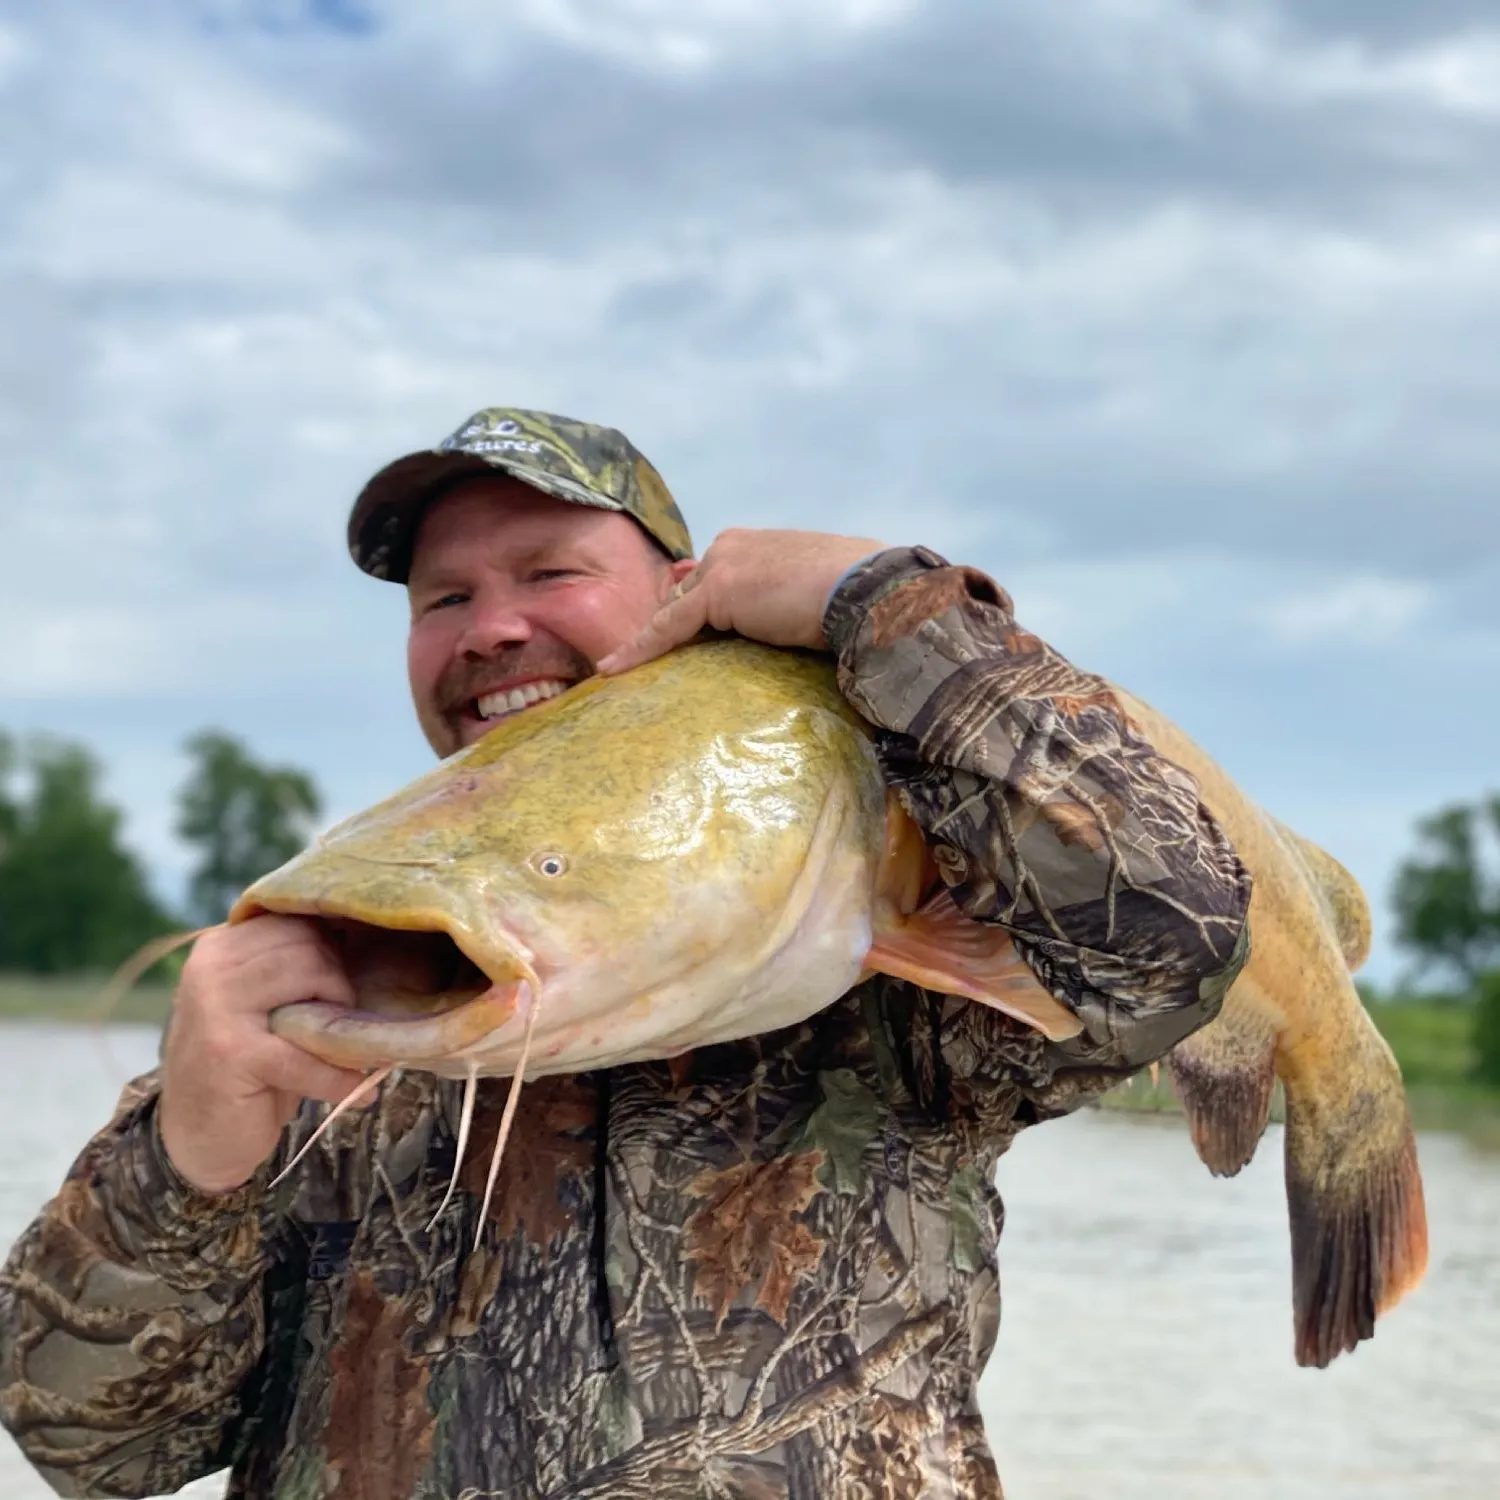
499,705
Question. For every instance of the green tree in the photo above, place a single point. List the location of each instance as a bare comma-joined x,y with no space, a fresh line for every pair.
1487,1028
10,809
243,818
1447,897
71,895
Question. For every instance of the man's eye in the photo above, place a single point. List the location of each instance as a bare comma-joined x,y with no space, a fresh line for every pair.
447,601
546,575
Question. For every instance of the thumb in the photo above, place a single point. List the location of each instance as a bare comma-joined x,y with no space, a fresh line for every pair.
677,621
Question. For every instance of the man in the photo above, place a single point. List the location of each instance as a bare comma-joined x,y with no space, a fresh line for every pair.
767,1269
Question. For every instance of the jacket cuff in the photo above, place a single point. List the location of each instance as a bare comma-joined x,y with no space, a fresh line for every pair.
896,570
156,1211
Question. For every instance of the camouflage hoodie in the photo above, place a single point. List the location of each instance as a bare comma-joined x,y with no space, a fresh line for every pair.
766,1269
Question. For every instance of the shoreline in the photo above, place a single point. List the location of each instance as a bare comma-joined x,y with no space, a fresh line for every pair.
1431,1043
75,1001
1469,1110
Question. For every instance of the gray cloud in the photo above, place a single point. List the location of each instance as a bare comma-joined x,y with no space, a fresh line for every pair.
1091,108
1179,318
1394,23
1267,163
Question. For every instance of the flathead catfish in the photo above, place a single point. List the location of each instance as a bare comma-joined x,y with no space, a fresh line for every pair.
705,849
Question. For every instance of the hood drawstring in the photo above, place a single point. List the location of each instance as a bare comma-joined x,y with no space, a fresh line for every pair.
603,1309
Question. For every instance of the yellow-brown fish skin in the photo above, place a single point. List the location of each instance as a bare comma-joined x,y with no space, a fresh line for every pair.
660,868
1354,1191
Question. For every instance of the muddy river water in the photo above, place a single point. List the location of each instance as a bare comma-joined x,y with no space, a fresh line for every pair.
1145,1346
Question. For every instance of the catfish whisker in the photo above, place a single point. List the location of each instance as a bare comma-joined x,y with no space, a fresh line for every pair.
358,1092
124,979
466,1115
512,1099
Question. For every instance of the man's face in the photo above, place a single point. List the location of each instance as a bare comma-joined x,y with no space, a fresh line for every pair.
514,596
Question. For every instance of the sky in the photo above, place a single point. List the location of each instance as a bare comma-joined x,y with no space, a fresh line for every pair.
1179,319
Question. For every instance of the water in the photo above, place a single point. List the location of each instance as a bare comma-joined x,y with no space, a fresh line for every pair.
1145,1351
1145,1347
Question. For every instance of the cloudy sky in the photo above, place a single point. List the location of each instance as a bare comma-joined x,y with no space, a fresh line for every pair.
1178,318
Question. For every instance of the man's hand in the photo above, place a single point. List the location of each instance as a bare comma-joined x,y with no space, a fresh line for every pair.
769,586
228,1086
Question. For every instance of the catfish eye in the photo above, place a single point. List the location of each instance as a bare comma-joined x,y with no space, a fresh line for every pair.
549,864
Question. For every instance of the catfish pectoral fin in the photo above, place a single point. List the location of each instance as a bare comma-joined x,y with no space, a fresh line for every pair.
940,949
1359,1223
1225,1076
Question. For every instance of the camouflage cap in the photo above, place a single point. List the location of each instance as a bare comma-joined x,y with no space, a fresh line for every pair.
575,461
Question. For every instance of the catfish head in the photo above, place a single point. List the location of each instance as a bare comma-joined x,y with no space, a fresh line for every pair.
681,855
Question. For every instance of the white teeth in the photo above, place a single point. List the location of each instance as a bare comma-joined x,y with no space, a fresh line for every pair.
497,705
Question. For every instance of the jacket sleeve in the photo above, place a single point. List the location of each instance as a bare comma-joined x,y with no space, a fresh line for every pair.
1045,811
130,1317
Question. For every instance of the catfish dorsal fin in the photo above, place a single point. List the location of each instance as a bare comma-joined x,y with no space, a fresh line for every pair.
940,949
1338,892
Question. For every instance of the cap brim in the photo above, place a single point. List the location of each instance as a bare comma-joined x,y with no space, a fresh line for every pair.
383,522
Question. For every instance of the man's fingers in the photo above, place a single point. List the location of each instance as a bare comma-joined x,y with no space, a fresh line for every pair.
678,620
257,965
289,1070
263,931
262,981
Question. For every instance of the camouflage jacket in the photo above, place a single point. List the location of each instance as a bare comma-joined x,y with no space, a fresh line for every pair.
763,1269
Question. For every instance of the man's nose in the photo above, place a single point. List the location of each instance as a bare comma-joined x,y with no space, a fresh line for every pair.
494,623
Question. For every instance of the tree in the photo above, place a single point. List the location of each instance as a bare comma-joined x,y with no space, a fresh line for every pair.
1447,898
10,809
71,896
244,819
1487,1028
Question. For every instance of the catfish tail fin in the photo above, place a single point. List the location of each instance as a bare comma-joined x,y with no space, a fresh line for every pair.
1358,1218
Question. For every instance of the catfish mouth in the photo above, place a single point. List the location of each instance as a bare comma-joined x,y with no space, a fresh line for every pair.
419,997
400,975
